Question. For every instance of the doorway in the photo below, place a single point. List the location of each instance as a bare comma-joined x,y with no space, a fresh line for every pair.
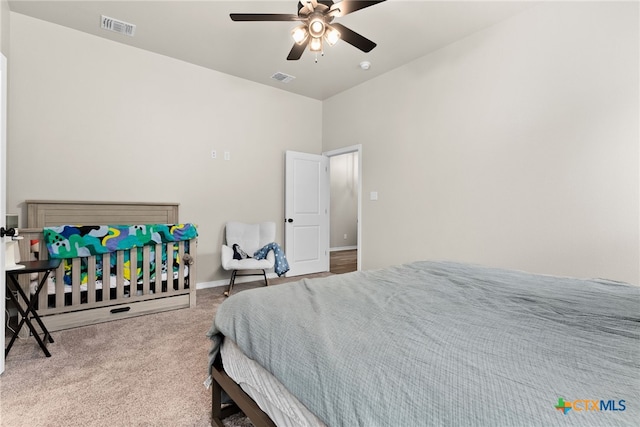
345,175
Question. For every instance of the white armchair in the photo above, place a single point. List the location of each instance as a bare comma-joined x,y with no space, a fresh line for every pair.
250,238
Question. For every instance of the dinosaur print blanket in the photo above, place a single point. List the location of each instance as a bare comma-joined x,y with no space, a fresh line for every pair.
73,241
81,241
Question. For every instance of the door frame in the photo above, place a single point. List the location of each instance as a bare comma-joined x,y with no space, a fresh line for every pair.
346,150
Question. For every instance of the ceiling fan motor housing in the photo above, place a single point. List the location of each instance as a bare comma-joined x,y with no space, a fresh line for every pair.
317,24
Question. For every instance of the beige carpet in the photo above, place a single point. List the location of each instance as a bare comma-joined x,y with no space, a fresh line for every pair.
144,371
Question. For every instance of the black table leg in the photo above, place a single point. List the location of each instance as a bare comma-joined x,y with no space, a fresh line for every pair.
36,316
25,315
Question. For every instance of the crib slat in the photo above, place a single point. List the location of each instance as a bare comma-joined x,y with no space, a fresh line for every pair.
146,269
60,286
119,275
193,268
169,267
76,281
42,298
106,277
158,281
133,271
181,269
91,280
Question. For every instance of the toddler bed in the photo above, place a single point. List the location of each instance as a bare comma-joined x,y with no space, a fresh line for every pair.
126,259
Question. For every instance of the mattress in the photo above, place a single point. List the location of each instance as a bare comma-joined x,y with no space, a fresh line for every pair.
51,284
270,395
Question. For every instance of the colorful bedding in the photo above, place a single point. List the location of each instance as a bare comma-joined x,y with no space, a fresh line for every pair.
73,241
81,241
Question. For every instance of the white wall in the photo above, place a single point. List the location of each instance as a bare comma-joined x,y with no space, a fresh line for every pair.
92,119
515,147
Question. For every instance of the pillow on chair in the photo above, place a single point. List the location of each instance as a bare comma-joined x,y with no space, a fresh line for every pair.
238,253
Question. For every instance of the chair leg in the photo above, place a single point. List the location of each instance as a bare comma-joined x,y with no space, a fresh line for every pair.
266,282
231,282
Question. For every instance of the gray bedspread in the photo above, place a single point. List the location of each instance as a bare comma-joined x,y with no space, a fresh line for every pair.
446,344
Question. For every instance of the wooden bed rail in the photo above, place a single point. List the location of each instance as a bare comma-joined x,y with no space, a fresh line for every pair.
241,400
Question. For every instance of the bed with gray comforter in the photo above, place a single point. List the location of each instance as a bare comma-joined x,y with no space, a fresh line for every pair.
446,344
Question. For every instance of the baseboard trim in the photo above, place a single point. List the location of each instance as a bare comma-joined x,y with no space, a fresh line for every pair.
343,248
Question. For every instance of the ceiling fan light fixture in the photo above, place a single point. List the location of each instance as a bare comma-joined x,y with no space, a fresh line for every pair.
299,34
316,27
331,35
315,45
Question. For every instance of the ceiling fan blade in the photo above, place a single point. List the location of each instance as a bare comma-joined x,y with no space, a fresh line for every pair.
303,9
297,50
263,17
307,7
353,38
346,7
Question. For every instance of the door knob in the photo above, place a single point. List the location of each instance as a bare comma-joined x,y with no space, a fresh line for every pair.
290,220
7,232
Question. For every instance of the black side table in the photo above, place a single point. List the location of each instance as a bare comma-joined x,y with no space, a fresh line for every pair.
45,267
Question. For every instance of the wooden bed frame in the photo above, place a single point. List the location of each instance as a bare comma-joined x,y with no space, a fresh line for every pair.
74,309
241,400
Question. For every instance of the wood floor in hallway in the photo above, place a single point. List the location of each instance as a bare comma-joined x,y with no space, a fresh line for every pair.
343,261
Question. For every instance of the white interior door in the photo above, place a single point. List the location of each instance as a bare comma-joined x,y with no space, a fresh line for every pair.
306,213
3,187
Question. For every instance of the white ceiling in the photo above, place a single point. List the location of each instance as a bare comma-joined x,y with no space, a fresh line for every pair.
201,32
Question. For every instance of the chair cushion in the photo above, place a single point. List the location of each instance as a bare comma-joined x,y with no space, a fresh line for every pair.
249,264
250,237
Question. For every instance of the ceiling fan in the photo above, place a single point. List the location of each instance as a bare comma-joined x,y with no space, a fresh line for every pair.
316,25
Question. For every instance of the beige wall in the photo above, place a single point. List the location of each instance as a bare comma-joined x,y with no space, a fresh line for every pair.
515,147
4,27
344,200
92,119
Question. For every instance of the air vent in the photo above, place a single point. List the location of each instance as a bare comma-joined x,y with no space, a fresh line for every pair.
282,77
118,26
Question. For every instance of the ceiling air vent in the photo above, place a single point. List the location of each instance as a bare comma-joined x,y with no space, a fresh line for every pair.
118,26
282,77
